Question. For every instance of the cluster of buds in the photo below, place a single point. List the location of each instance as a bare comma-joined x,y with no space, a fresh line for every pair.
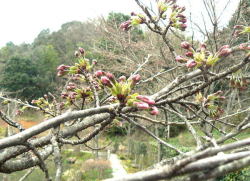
134,20
80,52
238,81
43,104
166,8
143,103
245,46
83,65
62,70
240,29
73,93
121,87
211,103
176,18
201,57
146,103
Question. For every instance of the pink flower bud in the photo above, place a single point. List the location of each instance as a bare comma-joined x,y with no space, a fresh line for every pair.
203,47
125,26
185,45
244,46
62,67
223,47
154,111
174,7
237,33
181,16
18,112
61,106
94,62
189,54
191,63
133,14
146,99
180,59
238,27
121,97
99,73
81,50
64,95
71,86
34,101
136,78
183,27
61,73
122,79
110,76
76,77
224,52
72,95
141,105
222,97
182,9
219,92
183,20
106,81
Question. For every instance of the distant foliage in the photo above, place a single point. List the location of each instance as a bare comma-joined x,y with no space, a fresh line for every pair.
21,78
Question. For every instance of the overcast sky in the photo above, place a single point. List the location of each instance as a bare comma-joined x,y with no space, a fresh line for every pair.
22,20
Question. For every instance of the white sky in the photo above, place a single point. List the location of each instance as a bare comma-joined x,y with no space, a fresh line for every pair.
22,20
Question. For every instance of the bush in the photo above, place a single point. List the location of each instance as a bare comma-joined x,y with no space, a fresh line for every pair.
241,175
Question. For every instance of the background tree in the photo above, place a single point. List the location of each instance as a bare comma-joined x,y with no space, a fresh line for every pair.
20,77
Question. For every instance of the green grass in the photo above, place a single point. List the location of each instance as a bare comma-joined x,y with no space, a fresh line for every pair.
76,169
31,115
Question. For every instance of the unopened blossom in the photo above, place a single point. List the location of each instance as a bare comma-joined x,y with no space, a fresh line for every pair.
203,47
61,73
121,97
189,54
105,81
81,50
191,63
99,73
183,27
62,67
244,46
110,76
141,105
18,112
64,95
122,79
136,78
34,101
72,95
180,59
238,27
224,51
146,99
71,86
133,14
125,26
62,70
154,111
185,45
